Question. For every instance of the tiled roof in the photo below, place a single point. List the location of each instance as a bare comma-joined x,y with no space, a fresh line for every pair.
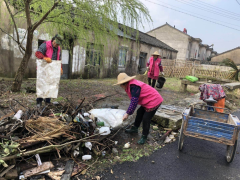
145,38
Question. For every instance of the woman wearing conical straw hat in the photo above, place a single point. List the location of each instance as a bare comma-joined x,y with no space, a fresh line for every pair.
144,95
154,66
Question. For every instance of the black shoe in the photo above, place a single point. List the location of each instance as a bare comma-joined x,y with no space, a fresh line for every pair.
133,129
142,140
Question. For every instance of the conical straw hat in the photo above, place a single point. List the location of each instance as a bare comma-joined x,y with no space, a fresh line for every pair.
156,54
123,78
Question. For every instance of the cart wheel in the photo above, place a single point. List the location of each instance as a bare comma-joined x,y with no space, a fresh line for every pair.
231,152
181,138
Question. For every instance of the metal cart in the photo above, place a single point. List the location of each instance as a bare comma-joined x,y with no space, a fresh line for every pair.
211,126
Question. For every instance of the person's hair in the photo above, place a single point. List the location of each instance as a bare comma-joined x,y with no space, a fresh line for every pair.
54,38
125,83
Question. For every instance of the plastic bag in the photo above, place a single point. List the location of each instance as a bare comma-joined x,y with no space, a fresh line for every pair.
191,78
111,117
48,77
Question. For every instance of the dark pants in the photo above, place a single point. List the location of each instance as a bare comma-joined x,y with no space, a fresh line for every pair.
152,82
145,118
47,100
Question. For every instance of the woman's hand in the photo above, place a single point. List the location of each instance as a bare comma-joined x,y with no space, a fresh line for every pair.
125,116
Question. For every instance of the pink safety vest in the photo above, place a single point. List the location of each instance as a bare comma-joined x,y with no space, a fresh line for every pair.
149,97
156,67
49,51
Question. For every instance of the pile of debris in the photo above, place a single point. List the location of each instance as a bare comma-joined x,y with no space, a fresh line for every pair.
62,128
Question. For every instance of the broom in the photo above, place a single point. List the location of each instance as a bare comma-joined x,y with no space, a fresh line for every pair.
143,77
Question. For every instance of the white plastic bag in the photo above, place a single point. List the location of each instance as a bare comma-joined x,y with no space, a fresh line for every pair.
104,131
48,77
88,145
86,157
111,117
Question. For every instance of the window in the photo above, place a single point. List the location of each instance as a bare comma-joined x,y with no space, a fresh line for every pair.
122,56
142,60
94,54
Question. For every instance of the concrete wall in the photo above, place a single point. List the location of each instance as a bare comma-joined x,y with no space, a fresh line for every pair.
209,52
174,39
203,52
194,51
234,55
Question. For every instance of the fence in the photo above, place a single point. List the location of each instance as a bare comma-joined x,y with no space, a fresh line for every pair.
183,68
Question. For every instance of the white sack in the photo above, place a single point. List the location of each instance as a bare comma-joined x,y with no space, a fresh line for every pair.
48,77
111,117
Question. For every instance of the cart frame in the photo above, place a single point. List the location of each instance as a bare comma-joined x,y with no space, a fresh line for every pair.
212,126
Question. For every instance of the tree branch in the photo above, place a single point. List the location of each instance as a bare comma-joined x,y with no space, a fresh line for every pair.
20,45
27,11
45,15
15,26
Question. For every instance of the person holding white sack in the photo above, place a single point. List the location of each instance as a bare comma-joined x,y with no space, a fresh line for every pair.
48,51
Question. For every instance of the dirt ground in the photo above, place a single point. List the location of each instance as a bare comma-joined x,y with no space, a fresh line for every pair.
78,89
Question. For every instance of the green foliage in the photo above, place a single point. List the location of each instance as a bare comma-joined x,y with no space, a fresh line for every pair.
7,148
230,63
91,20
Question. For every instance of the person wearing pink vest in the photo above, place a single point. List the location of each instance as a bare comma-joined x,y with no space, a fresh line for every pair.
48,51
154,66
144,95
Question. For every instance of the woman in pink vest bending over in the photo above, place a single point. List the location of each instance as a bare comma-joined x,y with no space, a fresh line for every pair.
144,95
154,65
48,51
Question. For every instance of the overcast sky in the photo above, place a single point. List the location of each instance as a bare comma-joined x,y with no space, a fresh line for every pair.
222,37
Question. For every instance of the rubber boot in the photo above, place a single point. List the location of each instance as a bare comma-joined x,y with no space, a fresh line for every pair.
133,129
142,140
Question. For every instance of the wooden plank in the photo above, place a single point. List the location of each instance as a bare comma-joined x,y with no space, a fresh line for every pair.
45,166
55,175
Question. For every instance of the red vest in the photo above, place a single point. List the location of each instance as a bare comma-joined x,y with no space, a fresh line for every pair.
156,66
149,97
49,51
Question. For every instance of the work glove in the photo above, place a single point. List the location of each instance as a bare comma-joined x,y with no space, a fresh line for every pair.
48,60
61,71
162,73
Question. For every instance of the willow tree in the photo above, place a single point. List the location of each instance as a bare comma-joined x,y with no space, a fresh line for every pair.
83,19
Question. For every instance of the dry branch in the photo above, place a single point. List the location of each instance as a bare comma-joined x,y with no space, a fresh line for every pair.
46,148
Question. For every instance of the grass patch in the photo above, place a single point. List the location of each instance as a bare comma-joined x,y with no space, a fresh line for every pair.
174,84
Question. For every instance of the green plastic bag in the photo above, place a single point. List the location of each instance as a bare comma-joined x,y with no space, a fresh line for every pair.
191,78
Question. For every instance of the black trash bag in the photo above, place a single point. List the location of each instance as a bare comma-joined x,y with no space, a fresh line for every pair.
160,82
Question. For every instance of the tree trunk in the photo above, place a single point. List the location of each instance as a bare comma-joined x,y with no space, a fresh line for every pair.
23,66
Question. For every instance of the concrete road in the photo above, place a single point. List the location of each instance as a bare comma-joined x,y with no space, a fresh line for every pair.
199,159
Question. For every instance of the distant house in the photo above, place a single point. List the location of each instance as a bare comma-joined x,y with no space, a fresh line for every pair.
233,54
187,46
214,53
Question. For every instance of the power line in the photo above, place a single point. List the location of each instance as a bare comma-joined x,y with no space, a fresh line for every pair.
199,14
193,15
215,7
211,11
238,2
